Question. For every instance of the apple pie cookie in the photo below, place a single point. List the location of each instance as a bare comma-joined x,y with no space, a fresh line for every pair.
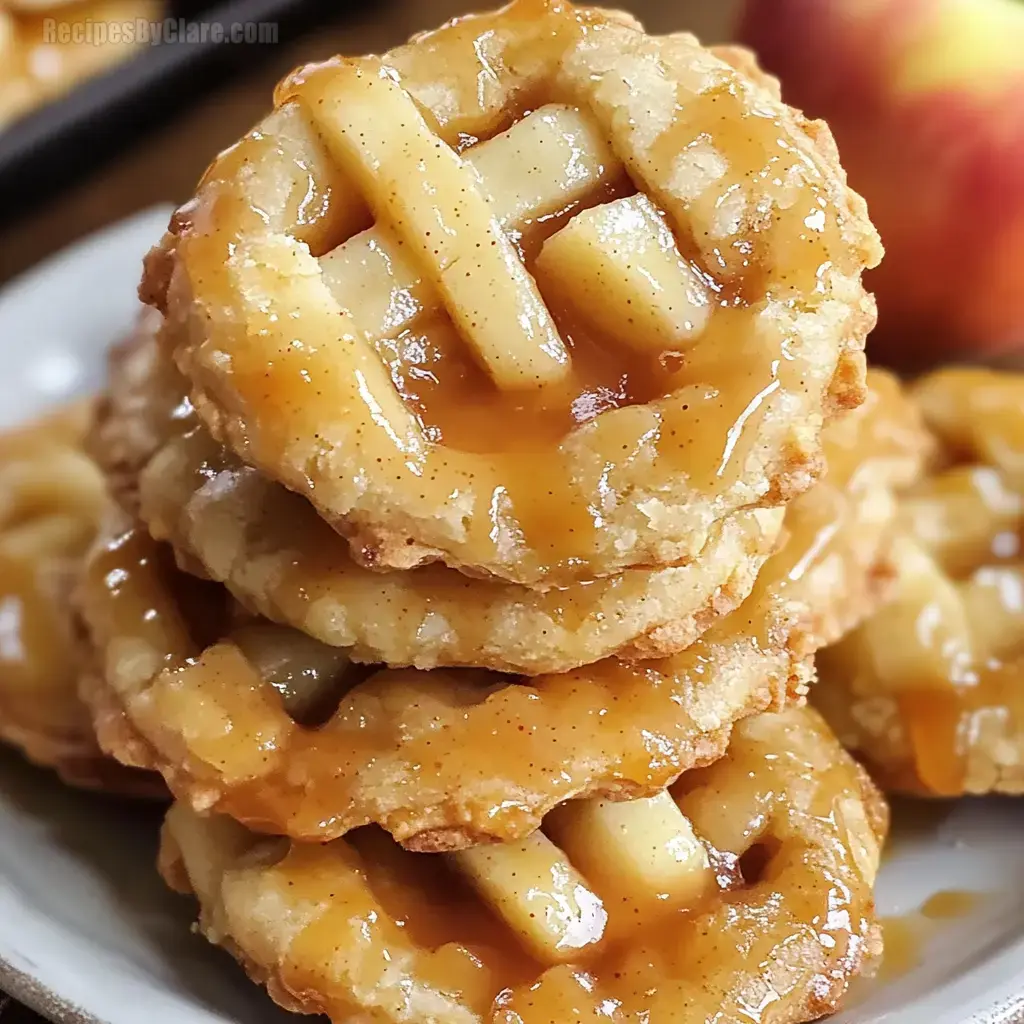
448,759
280,559
537,295
51,501
749,883
928,691
287,734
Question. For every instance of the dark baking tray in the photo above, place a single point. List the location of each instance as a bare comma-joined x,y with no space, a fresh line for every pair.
64,141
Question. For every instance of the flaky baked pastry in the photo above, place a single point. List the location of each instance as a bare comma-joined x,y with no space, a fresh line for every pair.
929,692
536,295
281,560
749,884
446,759
51,501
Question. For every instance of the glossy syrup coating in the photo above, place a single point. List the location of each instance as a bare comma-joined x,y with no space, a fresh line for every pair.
537,295
281,560
447,759
51,501
743,894
928,691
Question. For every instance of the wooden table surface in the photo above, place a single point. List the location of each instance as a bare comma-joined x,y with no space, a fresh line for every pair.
12,1013
166,166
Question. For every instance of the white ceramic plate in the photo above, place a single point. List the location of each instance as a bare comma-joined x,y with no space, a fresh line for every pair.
88,934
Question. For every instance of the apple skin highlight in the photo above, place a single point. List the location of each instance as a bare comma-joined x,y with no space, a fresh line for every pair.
926,101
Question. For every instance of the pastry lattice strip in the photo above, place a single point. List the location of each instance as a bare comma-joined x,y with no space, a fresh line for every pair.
434,756
551,161
441,241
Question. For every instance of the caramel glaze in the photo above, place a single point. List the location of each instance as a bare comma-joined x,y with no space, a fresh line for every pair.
962,716
722,390
905,937
278,557
971,516
939,725
978,698
778,942
711,403
902,943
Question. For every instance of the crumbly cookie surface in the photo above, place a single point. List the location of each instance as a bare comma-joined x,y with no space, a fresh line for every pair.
280,559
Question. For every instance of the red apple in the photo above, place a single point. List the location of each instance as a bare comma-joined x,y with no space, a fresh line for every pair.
926,100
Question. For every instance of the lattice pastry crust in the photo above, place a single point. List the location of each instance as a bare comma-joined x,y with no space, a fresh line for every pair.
749,882
51,501
536,295
928,691
282,561
447,759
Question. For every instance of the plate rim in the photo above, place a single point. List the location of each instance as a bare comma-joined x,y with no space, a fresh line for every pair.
23,988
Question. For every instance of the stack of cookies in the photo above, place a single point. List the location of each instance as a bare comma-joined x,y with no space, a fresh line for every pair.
496,455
